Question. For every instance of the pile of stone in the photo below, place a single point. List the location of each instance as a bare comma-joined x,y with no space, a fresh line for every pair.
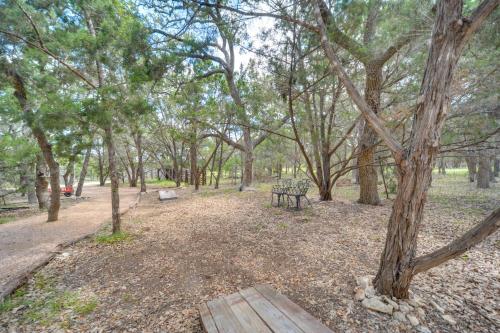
409,311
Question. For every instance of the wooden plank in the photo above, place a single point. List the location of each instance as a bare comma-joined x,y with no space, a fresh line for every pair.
274,318
224,318
246,315
298,315
206,319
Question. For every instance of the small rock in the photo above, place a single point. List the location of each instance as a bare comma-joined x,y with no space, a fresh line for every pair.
364,281
449,319
405,308
413,303
65,254
15,310
376,304
167,195
436,306
421,313
359,294
399,316
391,302
423,329
413,320
369,291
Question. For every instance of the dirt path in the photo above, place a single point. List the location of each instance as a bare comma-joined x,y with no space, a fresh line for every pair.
27,242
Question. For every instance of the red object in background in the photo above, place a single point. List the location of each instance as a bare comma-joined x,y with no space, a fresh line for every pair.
66,191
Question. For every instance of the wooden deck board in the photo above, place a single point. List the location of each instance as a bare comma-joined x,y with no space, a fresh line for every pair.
300,317
258,310
224,318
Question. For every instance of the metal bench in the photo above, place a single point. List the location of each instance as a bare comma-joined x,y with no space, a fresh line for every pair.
298,191
279,189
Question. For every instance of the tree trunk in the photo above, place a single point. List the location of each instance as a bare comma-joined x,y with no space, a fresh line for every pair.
83,173
450,33
138,145
28,182
471,162
483,174
368,182
442,166
43,143
496,167
100,157
41,184
247,158
193,160
115,181
219,165
70,170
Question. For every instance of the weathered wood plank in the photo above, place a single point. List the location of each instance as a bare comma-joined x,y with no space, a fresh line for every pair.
298,315
274,318
224,318
246,315
206,319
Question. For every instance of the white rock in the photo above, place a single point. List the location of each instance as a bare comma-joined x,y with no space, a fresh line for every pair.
359,294
449,319
167,195
364,281
423,329
436,306
400,316
376,304
413,303
369,291
405,307
421,313
391,302
413,320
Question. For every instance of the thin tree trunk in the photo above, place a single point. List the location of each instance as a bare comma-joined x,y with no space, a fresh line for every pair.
83,173
138,145
247,158
115,181
219,165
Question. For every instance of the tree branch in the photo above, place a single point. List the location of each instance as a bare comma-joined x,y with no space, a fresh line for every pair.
474,236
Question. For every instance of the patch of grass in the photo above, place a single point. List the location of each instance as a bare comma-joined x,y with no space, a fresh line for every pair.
113,238
6,219
162,183
282,225
84,308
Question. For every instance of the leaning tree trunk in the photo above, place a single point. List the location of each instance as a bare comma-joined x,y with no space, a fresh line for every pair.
115,181
83,173
398,264
43,143
41,183
367,170
483,173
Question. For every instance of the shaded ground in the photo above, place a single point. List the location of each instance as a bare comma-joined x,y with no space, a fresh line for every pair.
30,240
180,253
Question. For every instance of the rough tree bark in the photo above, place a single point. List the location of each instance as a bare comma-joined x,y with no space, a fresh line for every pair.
414,164
471,161
483,172
41,184
43,142
83,172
